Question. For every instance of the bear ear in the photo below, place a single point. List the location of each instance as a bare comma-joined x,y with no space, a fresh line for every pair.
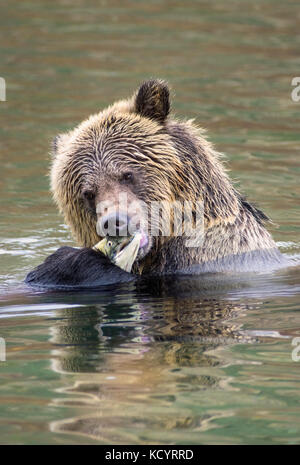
152,100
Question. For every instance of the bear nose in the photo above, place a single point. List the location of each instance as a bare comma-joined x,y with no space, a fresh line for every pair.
115,224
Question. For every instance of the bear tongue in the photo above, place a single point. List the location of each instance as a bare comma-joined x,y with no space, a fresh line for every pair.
144,238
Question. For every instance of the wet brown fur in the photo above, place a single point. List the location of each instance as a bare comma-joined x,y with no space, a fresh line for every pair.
171,160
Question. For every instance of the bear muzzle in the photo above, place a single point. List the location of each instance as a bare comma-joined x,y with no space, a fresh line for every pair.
121,224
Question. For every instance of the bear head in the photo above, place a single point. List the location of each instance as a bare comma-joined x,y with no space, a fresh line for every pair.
109,170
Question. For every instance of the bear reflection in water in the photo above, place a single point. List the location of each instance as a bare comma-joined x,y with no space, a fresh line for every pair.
135,353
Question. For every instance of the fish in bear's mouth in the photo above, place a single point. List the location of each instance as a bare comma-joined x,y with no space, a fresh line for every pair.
123,251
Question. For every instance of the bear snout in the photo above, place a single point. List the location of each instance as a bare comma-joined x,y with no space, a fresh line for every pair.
118,224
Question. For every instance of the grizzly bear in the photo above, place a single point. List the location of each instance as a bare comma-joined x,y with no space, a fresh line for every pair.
134,148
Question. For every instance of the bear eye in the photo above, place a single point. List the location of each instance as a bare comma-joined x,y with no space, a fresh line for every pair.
127,177
89,195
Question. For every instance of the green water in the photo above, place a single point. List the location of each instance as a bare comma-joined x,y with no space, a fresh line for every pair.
186,362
